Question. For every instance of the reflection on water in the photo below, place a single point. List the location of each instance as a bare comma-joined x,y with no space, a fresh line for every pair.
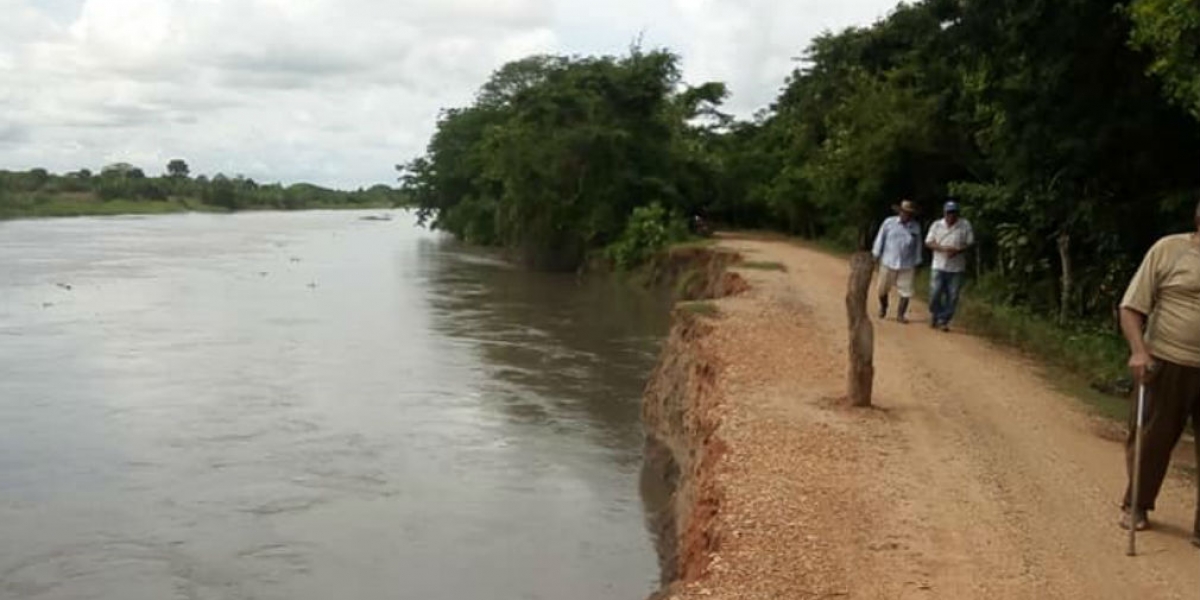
312,406
583,347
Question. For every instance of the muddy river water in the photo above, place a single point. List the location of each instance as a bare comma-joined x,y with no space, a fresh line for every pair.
313,406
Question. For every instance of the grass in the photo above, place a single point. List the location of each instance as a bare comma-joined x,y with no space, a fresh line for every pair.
762,265
1103,404
703,308
687,281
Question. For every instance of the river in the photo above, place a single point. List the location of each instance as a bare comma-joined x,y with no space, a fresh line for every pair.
312,406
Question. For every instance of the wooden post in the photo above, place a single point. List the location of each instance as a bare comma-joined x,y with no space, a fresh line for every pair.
862,333
1068,282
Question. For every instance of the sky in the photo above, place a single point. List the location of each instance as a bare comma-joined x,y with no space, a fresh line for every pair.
337,92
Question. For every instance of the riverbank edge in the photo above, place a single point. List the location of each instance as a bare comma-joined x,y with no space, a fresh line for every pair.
683,445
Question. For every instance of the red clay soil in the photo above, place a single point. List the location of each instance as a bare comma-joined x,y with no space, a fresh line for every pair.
972,478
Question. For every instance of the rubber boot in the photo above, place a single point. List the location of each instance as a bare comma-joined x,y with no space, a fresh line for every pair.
883,306
900,315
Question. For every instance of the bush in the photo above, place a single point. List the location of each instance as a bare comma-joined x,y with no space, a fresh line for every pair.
649,230
221,192
112,188
474,220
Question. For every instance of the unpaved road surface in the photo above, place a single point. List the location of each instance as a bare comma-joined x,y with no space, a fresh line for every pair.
974,477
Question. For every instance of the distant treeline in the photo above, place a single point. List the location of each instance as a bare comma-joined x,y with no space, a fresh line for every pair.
122,187
1069,130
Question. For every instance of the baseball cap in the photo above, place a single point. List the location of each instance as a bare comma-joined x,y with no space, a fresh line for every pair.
951,206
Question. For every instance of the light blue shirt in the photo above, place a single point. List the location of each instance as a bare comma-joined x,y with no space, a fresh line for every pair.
898,244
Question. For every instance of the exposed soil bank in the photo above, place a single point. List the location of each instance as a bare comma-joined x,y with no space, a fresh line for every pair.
681,445
973,479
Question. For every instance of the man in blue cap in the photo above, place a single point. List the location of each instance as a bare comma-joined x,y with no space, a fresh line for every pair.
949,238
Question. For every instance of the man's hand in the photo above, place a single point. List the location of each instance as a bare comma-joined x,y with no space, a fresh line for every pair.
1141,364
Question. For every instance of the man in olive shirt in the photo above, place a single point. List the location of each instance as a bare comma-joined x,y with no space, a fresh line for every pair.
1160,317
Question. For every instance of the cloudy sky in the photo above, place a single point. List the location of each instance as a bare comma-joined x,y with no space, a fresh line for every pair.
335,91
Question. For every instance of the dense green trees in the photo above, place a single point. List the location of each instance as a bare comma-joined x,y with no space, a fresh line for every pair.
556,153
1039,116
1070,130
1170,31
177,168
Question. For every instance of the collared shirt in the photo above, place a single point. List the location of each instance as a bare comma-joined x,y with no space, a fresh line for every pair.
898,244
960,237
1167,289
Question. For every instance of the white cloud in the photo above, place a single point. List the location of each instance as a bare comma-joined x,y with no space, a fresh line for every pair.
334,91
751,45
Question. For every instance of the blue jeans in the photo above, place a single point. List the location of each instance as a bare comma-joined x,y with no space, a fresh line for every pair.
943,298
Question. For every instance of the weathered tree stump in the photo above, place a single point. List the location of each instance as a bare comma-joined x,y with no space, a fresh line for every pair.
862,333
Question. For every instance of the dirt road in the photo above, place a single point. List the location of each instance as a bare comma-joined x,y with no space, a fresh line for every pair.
973,479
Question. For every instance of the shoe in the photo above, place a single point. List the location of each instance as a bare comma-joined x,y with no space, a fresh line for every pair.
900,314
883,306
1142,522
944,327
1196,540
933,324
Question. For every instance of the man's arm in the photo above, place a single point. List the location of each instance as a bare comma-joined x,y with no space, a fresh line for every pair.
931,239
1132,325
1139,302
877,249
968,240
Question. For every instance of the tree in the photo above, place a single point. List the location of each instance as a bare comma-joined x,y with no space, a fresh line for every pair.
39,178
222,192
177,169
1170,30
1038,115
1059,100
556,153
878,140
1047,119
120,169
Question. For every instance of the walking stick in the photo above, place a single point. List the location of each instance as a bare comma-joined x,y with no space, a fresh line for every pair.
1137,470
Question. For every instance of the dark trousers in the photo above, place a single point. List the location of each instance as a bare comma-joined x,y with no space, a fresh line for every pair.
1172,397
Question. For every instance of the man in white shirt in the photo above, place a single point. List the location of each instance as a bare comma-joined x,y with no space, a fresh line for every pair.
949,238
898,250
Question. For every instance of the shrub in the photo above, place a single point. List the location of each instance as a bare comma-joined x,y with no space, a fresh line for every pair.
649,230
